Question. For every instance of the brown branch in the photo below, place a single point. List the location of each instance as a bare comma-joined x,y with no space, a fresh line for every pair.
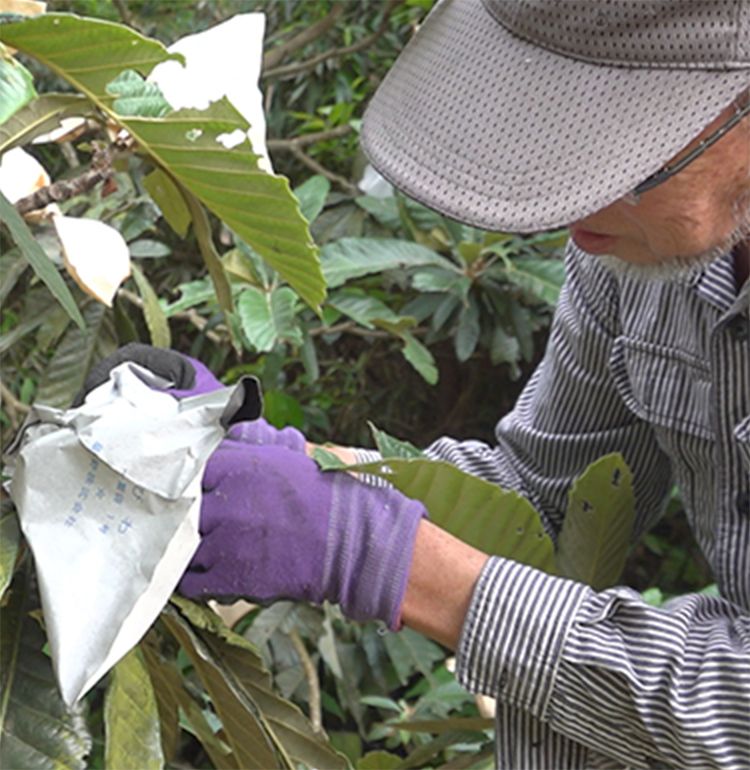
305,139
317,168
293,69
350,327
99,170
276,55
13,406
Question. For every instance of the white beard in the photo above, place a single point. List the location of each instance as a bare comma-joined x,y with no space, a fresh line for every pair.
677,267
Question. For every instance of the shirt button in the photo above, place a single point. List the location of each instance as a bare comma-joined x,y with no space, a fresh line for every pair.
739,328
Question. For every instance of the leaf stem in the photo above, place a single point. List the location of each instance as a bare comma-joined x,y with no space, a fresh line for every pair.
313,685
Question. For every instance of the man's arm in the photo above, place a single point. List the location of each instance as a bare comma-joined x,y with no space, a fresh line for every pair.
444,573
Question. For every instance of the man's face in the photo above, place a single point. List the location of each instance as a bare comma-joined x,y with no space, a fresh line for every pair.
693,217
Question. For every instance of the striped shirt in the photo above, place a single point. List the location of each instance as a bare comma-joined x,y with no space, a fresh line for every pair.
659,371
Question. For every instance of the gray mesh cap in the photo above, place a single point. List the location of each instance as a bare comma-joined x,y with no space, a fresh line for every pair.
525,115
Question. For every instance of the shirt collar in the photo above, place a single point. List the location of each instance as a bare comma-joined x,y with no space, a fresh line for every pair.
715,283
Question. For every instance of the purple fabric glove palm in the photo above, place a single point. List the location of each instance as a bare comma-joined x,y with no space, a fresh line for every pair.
276,527
190,377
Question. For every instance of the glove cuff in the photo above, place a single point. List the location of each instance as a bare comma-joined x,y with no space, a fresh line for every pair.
370,547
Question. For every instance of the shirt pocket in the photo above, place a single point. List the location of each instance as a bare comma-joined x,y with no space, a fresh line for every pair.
668,388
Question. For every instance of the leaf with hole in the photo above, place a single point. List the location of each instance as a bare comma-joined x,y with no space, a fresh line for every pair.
595,537
258,206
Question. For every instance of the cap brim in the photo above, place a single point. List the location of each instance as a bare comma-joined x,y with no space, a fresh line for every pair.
491,130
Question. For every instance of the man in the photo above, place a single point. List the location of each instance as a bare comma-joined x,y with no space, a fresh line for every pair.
627,120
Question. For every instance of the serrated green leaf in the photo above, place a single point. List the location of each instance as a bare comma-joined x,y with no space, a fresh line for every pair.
595,536
39,261
137,96
172,697
102,50
362,308
424,752
131,718
258,206
420,358
192,293
350,258
503,347
147,248
312,194
237,662
477,724
467,331
328,461
10,545
245,733
496,521
435,279
378,760
76,353
390,447
268,317
168,198
156,319
541,277
16,87
388,211
412,653
40,116
36,728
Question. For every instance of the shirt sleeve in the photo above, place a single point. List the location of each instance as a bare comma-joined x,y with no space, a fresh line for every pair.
636,683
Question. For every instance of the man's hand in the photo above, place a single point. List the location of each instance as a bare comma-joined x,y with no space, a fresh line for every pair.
274,526
188,377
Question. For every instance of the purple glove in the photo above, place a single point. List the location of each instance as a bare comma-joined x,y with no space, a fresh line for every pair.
190,377
276,527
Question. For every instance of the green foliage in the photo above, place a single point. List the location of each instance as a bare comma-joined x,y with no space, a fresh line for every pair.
598,524
36,728
16,86
38,260
131,717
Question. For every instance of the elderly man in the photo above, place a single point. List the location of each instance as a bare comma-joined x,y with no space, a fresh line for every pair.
628,121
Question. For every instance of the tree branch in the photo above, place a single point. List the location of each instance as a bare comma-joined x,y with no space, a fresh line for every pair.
13,406
99,170
305,139
317,168
288,70
276,55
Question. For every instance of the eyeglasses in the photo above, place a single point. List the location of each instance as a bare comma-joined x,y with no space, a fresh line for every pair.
669,171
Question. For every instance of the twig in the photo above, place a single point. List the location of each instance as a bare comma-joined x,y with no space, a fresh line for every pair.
313,685
288,70
305,139
317,168
191,315
350,327
99,169
125,15
276,55
12,405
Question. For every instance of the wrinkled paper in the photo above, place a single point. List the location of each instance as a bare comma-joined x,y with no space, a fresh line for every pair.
108,496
